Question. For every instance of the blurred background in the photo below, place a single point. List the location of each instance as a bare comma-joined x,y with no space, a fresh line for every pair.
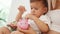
10,7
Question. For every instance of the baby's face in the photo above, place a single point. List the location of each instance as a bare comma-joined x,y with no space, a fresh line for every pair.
37,8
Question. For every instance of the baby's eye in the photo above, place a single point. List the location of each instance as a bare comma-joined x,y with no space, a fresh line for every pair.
31,8
36,8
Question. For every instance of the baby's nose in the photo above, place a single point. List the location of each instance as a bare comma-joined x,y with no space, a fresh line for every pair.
33,10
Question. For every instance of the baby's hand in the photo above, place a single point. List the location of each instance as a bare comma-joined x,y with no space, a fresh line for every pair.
30,16
13,26
28,31
21,9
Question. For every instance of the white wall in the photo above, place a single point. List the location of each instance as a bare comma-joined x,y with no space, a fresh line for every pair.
6,3
15,4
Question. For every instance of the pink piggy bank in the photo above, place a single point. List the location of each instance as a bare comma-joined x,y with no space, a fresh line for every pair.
23,24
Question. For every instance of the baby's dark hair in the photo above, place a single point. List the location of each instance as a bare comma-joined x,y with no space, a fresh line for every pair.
43,1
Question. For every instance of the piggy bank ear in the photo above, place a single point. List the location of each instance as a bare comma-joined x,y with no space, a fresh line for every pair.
26,20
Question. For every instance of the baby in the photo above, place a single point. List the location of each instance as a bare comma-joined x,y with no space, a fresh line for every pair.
37,18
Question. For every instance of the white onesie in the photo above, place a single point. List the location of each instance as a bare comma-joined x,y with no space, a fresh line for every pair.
43,18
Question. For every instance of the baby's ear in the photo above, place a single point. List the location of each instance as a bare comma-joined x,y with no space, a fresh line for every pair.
45,10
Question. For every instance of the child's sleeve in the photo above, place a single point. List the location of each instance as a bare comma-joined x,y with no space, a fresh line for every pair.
46,20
